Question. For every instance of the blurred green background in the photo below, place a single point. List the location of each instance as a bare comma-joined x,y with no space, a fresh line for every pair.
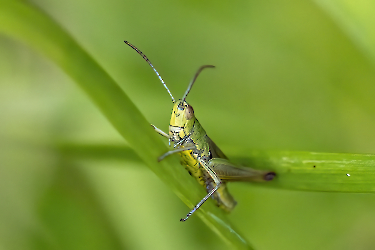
290,75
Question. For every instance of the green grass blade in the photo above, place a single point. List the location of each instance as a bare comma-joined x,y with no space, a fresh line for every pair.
304,171
311,171
26,23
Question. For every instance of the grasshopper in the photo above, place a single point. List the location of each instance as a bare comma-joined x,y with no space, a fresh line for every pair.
199,154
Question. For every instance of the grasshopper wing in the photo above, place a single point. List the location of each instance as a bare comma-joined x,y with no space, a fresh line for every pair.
215,150
228,171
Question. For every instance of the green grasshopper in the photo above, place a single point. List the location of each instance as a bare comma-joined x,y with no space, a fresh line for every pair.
199,154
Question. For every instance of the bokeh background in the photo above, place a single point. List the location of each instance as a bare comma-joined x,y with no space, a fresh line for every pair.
290,75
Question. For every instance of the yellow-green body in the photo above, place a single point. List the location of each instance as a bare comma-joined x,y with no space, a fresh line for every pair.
183,124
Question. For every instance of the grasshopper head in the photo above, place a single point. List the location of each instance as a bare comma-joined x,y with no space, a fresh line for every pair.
182,119
182,113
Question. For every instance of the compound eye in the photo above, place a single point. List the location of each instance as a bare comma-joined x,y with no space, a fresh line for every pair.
189,112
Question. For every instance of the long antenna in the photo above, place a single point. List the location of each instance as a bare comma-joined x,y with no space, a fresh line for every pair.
152,66
194,78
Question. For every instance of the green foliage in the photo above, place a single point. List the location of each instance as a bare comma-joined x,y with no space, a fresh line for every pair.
290,77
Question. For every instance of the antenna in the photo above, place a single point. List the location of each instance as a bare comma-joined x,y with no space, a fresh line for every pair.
194,78
152,66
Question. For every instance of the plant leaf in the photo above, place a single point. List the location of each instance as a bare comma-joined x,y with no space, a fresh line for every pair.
304,171
26,23
311,171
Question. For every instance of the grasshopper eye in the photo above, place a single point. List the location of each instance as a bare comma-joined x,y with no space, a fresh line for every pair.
189,112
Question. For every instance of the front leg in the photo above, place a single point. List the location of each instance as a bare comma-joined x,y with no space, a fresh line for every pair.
161,132
175,151
178,144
